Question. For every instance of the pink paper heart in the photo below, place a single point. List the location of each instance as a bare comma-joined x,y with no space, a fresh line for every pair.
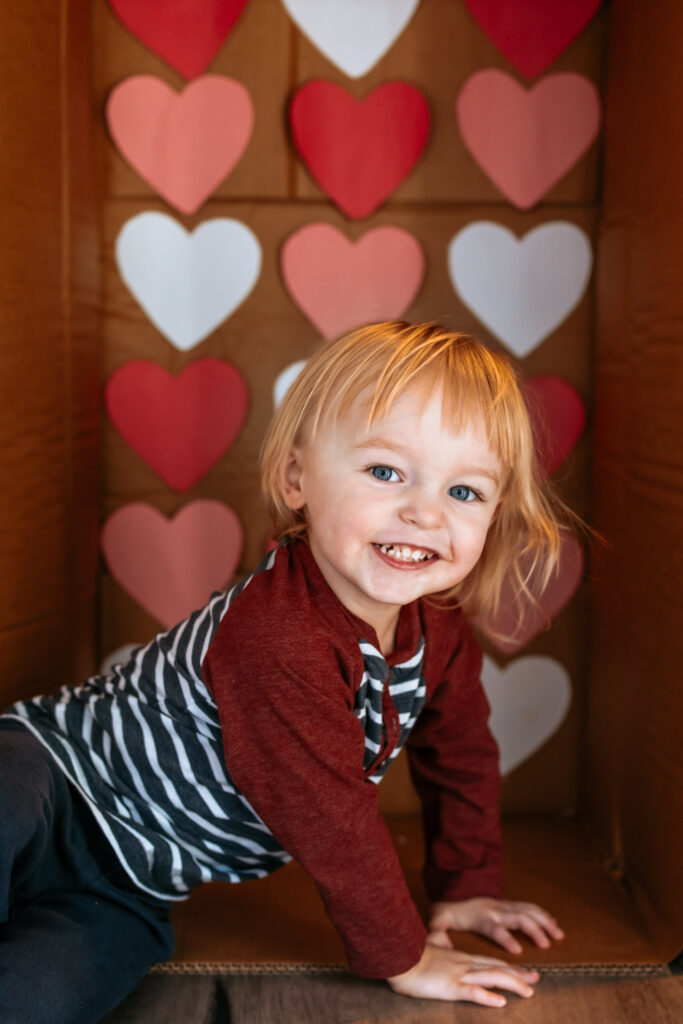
557,416
557,594
180,426
171,566
359,151
339,284
526,140
187,34
182,144
532,33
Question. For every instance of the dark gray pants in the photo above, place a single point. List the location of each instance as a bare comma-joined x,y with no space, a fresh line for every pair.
75,935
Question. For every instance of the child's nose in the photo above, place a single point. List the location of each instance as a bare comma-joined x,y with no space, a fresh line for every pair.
423,511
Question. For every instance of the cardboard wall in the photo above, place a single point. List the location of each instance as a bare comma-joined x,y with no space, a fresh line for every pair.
49,370
634,789
271,191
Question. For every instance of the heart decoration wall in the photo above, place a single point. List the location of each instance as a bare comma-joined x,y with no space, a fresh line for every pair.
186,35
558,417
170,567
515,625
520,288
189,282
526,140
529,700
359,151
180,426
532,33
182,144
340,284
353,35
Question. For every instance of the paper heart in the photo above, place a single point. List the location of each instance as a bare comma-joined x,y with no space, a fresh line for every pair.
526,140
187,283
187,34
180,426
359,151
557,416
285,379
354,36
550,602
171,566
182,144
529,700
520,288
532,33
339,284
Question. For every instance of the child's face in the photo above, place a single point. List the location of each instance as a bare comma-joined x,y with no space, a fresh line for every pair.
397,511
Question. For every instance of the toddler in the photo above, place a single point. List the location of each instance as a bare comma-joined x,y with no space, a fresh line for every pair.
400,475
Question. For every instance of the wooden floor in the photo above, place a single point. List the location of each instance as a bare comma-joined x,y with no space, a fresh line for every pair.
336,998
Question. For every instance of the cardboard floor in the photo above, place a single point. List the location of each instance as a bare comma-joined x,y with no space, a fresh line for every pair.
279,922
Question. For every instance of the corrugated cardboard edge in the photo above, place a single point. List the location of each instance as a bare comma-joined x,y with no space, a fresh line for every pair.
574,970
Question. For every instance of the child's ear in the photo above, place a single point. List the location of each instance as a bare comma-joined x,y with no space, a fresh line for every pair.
292,480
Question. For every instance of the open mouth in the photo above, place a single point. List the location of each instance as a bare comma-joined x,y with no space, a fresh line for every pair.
406,553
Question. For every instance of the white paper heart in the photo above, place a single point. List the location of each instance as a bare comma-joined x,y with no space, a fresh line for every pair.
529,700
187,283
284,380
353,34
520,288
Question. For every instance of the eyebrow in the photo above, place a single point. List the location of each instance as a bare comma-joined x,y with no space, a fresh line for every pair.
382,442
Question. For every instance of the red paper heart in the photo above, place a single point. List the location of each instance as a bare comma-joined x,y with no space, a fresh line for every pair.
187,34
180,426
184,143
556,595
359,151
557,416
171,567
532,33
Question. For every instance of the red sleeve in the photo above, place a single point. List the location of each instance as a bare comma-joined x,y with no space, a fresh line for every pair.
295,750
454,765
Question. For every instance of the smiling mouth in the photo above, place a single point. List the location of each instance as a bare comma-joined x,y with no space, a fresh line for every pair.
406,553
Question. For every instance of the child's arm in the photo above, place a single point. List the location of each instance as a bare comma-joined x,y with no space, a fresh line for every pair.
496,919
454,763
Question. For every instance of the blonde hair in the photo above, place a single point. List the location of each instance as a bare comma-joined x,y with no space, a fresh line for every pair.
378,363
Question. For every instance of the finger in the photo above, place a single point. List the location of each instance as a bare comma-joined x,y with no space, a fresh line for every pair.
504,938
546,920
476,994
511,981
439,938
530,927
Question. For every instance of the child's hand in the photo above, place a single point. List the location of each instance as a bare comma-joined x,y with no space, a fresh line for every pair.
493,918
445,974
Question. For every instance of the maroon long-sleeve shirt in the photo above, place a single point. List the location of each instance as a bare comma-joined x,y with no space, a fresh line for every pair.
285,667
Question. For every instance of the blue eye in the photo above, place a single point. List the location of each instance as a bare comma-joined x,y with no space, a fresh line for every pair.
385,473
462,493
